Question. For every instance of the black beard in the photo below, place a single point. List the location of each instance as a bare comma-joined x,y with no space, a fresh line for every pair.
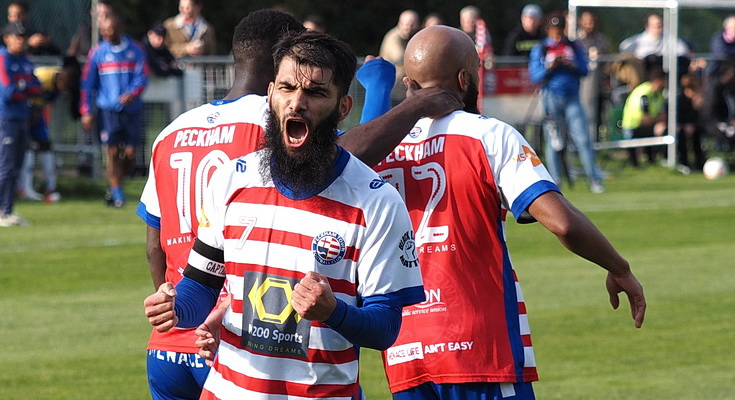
308,169
470,98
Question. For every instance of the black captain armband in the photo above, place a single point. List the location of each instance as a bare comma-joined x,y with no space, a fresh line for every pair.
206,265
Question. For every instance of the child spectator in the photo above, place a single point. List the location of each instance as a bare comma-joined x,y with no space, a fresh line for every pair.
54,81
160,59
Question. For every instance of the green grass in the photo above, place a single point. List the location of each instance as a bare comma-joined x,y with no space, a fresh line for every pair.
72,285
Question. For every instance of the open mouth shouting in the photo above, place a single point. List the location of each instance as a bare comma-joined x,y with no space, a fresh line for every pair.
296,132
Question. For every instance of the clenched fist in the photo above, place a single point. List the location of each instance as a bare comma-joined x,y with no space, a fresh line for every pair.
159,308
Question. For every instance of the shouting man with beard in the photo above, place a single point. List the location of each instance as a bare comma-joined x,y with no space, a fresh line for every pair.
459,176
317,250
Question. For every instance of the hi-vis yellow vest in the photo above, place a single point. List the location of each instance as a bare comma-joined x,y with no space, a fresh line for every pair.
633,110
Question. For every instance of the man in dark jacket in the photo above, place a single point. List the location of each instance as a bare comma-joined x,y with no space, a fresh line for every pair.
529,33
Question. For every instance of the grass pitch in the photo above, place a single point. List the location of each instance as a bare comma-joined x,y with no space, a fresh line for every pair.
73,282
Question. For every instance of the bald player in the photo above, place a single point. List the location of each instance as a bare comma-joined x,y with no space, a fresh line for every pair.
460,175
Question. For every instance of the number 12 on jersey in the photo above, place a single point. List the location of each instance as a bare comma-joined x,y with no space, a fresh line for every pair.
434,172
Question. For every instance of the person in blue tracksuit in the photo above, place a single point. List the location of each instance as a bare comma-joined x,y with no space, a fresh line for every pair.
114,79
17,86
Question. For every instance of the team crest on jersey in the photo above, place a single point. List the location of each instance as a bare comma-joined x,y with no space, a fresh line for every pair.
409,258
377,183
328,248
528,154
415,132
212,117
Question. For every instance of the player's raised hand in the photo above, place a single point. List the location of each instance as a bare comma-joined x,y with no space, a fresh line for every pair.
629,284
435,102
312,298
159,308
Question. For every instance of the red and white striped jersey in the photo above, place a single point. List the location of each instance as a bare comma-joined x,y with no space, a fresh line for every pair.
356,232
459,175
184,157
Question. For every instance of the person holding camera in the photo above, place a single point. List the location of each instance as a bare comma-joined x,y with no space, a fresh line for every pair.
557,64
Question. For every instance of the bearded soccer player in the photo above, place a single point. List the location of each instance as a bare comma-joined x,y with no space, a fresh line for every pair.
317,251
459,176
187,152
184,156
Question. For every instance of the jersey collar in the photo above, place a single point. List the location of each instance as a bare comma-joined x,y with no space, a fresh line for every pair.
223,101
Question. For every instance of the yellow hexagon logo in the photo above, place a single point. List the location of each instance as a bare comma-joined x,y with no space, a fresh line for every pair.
256,299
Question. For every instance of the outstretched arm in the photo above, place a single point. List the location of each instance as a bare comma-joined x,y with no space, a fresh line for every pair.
578,234
373,141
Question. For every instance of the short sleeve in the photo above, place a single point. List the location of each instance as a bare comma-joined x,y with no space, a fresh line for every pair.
149,209
518,171
388,264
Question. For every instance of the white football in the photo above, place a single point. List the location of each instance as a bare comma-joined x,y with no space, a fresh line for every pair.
715,168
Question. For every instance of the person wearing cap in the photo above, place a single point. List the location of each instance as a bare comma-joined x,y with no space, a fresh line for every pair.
160,59
557,64
523,37
17,86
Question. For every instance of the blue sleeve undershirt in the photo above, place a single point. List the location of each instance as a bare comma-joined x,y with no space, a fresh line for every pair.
377,77
193,302
376,324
